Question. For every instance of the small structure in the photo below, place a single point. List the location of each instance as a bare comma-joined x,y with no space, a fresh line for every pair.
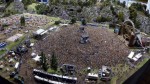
68,69
146,41
21,49
32,44
27,42
64,25
44,1
39,33
37,58
130,56
33,54
15,37
17,65
116,30
136,40
84,38
105,73
134,56
52,28
1,67
2,45
137,57
92,77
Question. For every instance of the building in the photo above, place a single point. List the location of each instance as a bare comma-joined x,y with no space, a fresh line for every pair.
92,77
105,73
43,1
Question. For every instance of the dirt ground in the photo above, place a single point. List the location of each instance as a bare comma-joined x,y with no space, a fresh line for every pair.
26,69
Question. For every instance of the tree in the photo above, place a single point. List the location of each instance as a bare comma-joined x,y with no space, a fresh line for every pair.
98,19
42,9
43,61
54,63
120,16
103,19
73,20
57,22
22,21
137,24
124,4
133,14
83,21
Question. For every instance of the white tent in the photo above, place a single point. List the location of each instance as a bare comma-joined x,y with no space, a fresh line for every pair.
39,31
37,58
130,56
16,65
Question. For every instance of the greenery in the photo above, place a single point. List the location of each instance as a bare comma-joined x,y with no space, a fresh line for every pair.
140,7
73,2
22,21
73,20
57,22
121,4
42,9
13,44
120,16
102,19
43,61
9,2
28,2
124,4
10,10
54,64
2,52
83,22
32,7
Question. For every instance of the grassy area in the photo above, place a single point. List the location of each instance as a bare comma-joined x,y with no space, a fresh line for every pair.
113,80
51,23
142,63
53,71
132,71
32,7
10,7
13,44
2,52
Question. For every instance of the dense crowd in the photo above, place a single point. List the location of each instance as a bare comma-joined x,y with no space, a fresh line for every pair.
104,48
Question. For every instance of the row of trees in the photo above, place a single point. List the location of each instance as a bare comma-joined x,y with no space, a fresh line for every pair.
103,19
140,7
133,16
73,2
53,62
121,4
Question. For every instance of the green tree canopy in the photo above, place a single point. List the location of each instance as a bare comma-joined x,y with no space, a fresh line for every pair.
43,61
120,16
22,21
53,61
73,20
